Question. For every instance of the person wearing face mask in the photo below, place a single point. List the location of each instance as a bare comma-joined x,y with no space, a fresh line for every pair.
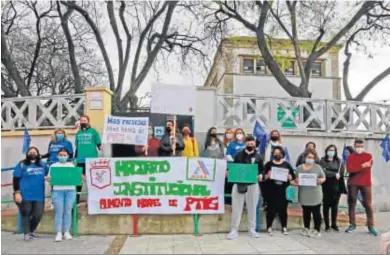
213,147
359,165
190,143
87,143
151,149
276,140
58,142
301,158
310,197
29,191
278,203
171,143
237,145
334,185
246,193
228,138
63,198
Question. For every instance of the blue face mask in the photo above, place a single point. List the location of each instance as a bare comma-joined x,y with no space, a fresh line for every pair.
62,159
60,137
309,161
331,153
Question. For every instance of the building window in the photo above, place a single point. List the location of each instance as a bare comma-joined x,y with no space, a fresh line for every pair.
289,69
260,67
316,69
248,65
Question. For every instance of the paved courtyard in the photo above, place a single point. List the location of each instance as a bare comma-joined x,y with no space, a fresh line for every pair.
330,243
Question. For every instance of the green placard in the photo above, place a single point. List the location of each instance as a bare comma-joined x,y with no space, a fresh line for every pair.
64,176
242,173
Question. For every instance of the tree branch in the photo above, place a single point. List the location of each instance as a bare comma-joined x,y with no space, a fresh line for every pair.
372,84
99,40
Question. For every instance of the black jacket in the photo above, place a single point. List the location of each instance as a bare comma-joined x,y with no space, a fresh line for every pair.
243,158
165,149
331,168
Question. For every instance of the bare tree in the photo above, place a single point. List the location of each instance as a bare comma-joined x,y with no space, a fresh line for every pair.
294,20
37,58
148,26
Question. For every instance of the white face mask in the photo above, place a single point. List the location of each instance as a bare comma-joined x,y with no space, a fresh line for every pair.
239,137
359,150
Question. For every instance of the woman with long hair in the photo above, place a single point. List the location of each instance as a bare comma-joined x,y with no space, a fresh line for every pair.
213,147
58,142
29,191
228,138
334,185
237,145
276,140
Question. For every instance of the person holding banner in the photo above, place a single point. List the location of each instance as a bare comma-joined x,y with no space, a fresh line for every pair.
151,149
58,142
29,191
310,177
237,145
247,193
278,174
359,166
171,144
88,142
213,147
334,185
63,199
190,143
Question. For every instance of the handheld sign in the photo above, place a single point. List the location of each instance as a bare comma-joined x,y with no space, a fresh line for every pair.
308,180
279,174
242,173
66,176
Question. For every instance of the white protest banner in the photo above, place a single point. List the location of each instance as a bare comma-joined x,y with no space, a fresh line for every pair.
124,130
175,185
279,174
173,99
308,180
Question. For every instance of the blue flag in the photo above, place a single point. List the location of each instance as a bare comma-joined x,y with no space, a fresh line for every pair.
261,136
26,141
345,154
386,148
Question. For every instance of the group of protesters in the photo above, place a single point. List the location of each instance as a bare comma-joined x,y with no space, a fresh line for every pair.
235,147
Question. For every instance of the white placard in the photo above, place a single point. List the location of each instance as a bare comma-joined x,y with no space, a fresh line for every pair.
279,174
124,130
173,99
308,180
174,185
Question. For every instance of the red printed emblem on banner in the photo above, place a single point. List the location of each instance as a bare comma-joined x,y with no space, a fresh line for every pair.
100,174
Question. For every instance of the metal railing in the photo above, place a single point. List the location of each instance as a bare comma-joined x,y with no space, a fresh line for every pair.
301,114
43,112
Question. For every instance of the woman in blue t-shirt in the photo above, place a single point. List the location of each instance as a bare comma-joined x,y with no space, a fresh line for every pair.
236,146
58,142
29,190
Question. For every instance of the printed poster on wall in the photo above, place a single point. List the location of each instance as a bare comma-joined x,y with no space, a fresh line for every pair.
124,130
173,99
175,185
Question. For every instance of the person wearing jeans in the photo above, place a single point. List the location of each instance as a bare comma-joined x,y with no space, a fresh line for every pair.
359,166
247,193
63,199
29,191
310,197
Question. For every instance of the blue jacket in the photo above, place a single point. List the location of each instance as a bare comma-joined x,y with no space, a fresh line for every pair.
54,147
234,148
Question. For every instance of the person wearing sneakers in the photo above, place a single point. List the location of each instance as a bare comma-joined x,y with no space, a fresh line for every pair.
63,199
310,195
246,193
29,191
279,203
359,166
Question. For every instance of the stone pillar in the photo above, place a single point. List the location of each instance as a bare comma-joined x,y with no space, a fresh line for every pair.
98,106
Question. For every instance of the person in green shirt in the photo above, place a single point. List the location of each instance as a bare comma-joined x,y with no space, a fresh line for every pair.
87,144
